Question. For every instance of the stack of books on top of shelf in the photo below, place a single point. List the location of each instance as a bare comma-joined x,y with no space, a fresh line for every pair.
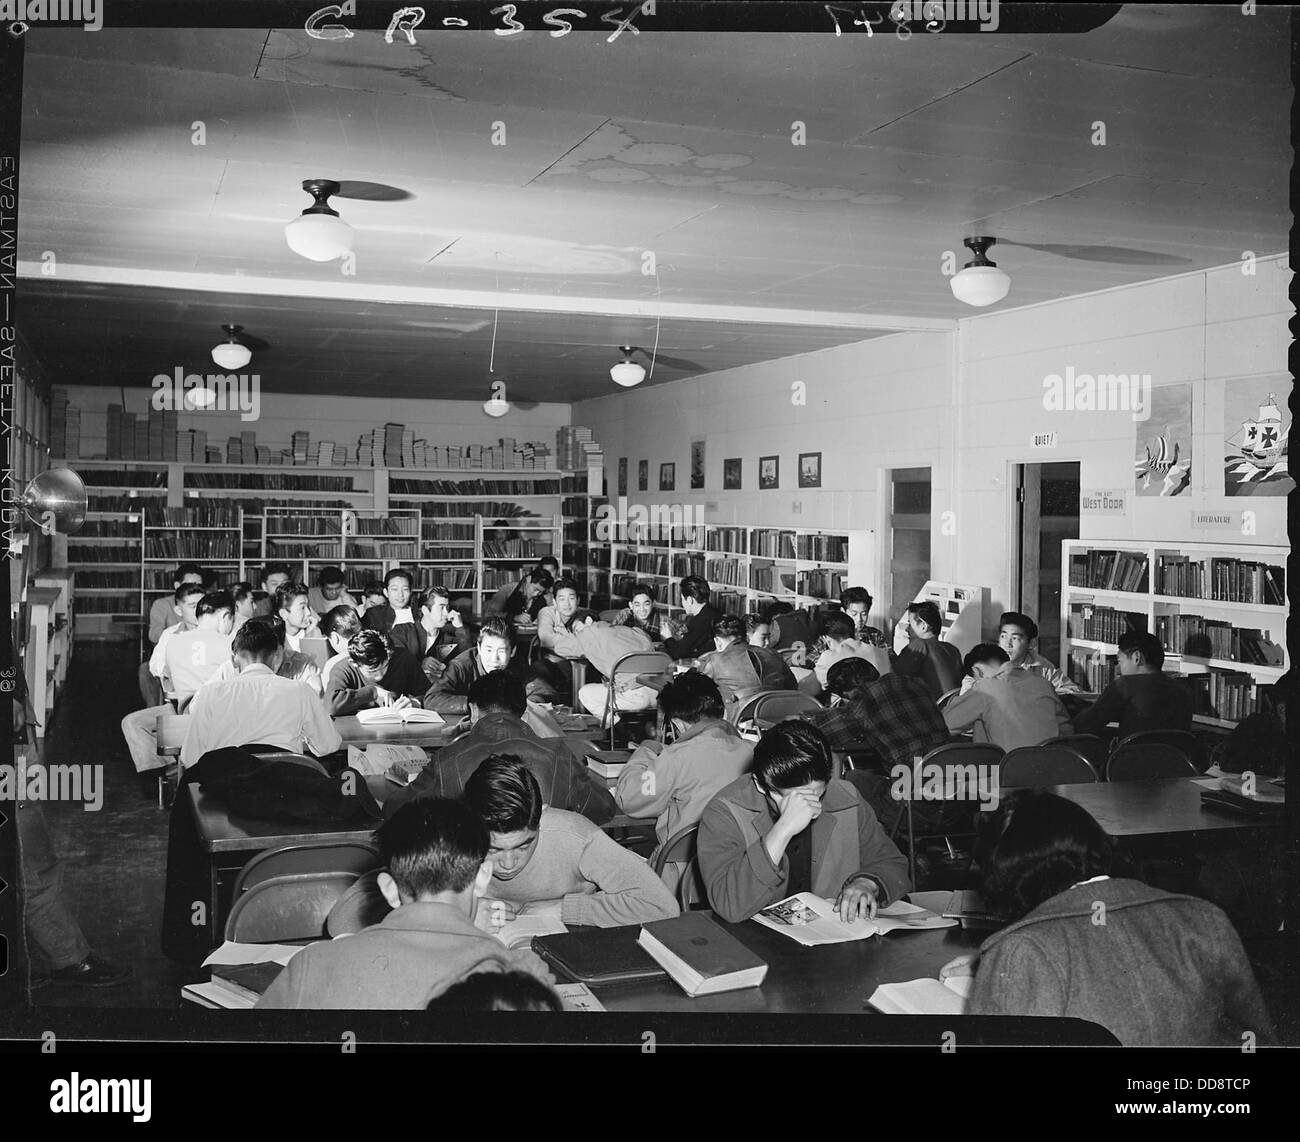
192,447
65,425
575,447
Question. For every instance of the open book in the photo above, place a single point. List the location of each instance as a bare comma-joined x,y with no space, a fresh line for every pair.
923,996
812,921
390,716
519,932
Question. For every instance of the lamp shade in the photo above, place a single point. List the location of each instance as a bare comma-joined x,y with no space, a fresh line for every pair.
627,374
231,355
200,398
496,406
320,237
980,285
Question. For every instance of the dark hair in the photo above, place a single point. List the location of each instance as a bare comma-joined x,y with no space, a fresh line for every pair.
774,611
850,675
565,584
214,602
753,622
789,755
1043,845
372,587
691,696
240,591
693,587
276,569
838,626
434,591
642,589
1146,644
273,623
928,612
256,640
398,573
187,569
284,596
1027,626
541,577
504,794
369,648
341,620
187,591
729,626
495,627
497,991
545,559
499,690
851,595
330,575
211,581
432,845
985,652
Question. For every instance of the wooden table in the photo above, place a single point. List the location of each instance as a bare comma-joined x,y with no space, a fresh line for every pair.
833,979
431,734
230,843
1155,808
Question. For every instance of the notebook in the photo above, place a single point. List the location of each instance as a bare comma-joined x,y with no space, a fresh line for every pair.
598,956
701,956
923,996
390,716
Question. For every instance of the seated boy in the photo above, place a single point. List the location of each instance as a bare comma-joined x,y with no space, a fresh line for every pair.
440,634
436,872
788,826
937,664
375,673
1007,706
856,604
1142,697
775,672
294,609
338,625
285,663
838,631
674,782
330,592
729,663
449,692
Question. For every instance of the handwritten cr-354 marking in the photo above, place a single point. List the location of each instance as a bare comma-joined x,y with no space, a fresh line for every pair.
407,20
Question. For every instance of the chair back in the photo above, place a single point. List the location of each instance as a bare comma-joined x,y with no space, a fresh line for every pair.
681,848
776,705
1192,747
1090,746
638,662
1138,761
351,858
287,908
171,730
1046,765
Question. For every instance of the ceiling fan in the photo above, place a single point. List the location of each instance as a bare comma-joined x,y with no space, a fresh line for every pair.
629,372
238,348
1113,255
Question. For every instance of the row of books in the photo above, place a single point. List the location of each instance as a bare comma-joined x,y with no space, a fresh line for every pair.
821,583
730,572
452,578
516,548
625,560
434,529
110,529
773,543
404,485
124,478
103,553
442,551
149,437
687,563
497,577
733,539
89,577
1102,624
277,524
731,602
360,547
465,509
1104,570
577,506
1212,638
126,604
648,563
774,580
270,481
1228,694
576,483
285,549
382,525
574,556
1091,670
198,513
575,531
119,503
1225,579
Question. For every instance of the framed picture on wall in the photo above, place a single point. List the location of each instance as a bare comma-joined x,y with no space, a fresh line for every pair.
731,474
697,463
622,475
643,476
667,477
769,472
810,469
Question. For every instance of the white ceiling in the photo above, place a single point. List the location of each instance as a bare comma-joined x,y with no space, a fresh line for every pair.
678,144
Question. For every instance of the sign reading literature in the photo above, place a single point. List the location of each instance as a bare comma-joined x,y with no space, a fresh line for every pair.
1215,521
1107,502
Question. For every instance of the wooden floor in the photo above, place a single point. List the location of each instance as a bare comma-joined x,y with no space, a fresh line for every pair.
114,860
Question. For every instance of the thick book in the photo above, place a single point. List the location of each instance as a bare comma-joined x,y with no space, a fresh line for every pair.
701,956
391,716
813,921
608,762
598,956
923,996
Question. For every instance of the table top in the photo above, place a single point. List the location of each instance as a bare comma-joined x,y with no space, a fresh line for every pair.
412,733
1153,808
219,833
831,979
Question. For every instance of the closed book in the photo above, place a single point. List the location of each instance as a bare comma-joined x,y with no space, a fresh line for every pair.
598,955
700,955
608,762
246,981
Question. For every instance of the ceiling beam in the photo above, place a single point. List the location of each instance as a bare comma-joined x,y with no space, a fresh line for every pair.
483,299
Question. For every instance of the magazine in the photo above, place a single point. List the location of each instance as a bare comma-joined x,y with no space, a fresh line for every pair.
811,920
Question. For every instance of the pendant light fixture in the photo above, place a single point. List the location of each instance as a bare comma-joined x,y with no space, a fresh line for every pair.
231,354
981,283
319,233
496,405
627,372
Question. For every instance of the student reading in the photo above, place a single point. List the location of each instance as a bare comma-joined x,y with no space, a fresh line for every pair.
436,871
1152,967
788,826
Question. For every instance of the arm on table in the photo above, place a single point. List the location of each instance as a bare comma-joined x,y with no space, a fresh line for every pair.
878,856
1102,712
965,710
343,699
628,892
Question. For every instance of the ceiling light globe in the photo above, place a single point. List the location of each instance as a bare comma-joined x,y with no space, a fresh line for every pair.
320,237
231,355
980,285
627,374
496,407
200,398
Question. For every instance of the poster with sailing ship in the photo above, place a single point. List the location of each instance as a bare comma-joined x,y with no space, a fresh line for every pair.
1162,465
1256,431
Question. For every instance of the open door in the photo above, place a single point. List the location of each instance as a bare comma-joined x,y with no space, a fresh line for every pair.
1047,499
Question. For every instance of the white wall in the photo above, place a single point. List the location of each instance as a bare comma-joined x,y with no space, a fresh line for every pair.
337,419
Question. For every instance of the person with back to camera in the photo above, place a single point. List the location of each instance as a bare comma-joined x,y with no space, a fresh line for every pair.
1152,967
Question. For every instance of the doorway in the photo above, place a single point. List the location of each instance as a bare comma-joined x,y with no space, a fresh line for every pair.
1047,510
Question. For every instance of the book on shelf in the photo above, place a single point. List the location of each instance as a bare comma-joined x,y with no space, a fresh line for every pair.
923,996
1108,570
1222,579
700,955
813,921
1103,624
389,716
